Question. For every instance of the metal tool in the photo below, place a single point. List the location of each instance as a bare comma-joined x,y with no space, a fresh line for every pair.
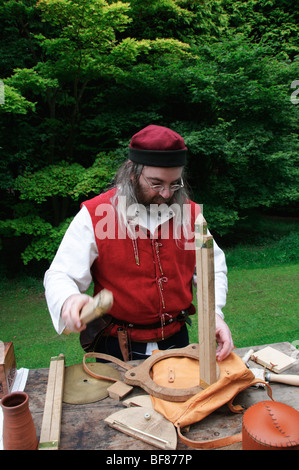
280,378
269,376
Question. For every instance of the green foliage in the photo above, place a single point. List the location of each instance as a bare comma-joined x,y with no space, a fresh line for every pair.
44,247
29,225
54,181
66,180
81,77
96,178
15,102
272,22
244,152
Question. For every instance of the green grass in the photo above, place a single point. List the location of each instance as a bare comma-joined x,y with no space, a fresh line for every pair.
25,320
262,305
263,294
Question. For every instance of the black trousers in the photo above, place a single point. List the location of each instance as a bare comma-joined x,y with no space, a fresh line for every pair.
109,345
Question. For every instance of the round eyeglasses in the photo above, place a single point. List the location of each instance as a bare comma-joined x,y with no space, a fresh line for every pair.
160,187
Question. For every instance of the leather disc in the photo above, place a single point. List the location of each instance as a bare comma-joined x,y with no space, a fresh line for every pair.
80,387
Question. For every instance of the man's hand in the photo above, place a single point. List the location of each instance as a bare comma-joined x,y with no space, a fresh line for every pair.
70,312
223,338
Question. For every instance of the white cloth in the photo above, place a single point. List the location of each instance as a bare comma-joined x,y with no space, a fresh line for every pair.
18,386
70,273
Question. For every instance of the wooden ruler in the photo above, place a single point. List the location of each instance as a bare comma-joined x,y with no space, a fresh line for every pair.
205,303
50,432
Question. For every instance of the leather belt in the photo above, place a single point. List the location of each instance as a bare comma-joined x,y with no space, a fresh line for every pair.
182,316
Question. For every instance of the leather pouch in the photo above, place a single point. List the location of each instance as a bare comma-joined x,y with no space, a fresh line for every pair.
182,372
93,331
176,372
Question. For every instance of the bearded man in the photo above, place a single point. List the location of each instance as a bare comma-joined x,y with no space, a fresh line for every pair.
136,240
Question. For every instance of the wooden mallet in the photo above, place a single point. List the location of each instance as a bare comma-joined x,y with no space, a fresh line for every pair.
99,305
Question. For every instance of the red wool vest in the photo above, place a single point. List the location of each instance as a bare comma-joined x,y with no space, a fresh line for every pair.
150,277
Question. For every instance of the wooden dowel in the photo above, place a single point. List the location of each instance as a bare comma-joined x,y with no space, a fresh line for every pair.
205,303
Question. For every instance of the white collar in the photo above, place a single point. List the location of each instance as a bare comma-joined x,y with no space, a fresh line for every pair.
150,218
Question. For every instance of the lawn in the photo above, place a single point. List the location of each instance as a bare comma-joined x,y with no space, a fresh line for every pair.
25,321
262,306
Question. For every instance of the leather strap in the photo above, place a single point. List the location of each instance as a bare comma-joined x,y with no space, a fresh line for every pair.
224,441
240,409
213,444
105,357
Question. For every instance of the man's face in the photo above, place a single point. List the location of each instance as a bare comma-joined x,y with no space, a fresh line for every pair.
157,176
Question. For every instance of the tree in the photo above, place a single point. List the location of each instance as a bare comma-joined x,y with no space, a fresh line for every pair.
82,76
269,22
79,50
245,150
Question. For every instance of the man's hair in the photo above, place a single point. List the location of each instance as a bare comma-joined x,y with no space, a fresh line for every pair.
126,182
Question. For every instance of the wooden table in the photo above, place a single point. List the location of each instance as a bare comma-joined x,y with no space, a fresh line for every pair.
83,426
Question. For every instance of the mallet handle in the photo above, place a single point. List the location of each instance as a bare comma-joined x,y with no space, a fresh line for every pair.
99,305
282,378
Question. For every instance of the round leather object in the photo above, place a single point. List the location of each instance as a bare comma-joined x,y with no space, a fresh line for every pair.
81,388
270,425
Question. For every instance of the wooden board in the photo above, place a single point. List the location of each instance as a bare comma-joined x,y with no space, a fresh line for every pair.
145,424
50,432
140,400
272,359
119,390
8,368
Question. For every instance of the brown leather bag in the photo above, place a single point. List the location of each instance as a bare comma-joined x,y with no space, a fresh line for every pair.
182,372
93,332
177,372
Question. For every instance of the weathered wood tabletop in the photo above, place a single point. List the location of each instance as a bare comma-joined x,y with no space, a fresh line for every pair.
83,426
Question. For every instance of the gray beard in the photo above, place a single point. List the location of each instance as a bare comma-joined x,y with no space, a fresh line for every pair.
157,199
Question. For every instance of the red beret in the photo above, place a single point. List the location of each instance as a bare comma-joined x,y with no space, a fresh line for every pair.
158,146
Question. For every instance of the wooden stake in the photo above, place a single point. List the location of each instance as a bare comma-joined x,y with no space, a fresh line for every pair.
205,303
50,432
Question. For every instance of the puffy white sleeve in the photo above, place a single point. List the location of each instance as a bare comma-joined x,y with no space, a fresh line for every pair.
221,285
69,272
